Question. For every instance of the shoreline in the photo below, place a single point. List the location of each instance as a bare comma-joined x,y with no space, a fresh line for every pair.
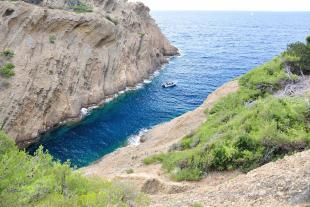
157,139
87,110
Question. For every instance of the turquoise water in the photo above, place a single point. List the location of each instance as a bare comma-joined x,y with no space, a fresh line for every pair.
216,47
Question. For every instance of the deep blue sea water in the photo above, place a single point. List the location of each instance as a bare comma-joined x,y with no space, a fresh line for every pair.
216,47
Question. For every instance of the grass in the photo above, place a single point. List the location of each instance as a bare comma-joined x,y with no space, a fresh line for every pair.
244,130
7,70
82,8
39,181
197,205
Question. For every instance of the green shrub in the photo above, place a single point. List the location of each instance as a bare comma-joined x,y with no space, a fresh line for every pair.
308,40
82,8
7,70
52,39
244,130
301,52
266,78
39,181
129,171
7,53
141,34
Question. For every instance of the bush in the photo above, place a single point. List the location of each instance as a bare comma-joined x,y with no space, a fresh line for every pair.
301,54
39,181
52,39
129,171
7,53
7,70
82,8
308,40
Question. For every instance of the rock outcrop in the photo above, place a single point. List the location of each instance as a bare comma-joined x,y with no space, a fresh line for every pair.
65,61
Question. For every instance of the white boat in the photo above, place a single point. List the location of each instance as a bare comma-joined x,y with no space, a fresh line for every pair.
169,84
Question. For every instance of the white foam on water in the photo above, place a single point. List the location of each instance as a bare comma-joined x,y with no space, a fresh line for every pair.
140,85
93,107
147,81
84,112
134,140
107,100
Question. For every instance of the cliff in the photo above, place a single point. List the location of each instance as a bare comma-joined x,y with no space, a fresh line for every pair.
67,60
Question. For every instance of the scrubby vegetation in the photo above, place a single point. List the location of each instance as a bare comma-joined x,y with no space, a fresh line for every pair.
7,70
8,53
141,34
52,39
297,57
39,181
197,205
245,129
82,8
129,171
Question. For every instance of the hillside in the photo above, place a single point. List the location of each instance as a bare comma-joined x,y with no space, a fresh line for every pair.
39,181
246,123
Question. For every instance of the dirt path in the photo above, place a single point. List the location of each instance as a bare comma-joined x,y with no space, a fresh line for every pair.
282,183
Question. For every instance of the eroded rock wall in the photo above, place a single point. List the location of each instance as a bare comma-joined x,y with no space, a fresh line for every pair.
65,61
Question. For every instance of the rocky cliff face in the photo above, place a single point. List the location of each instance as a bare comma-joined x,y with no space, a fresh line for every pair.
65,61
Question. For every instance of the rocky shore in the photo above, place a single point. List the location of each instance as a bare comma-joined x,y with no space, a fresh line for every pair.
65,60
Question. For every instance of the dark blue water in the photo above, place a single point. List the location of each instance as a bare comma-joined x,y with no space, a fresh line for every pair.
216,47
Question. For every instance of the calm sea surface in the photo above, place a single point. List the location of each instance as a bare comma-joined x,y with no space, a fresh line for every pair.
216,47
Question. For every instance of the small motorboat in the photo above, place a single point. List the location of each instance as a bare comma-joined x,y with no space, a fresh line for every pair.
169,84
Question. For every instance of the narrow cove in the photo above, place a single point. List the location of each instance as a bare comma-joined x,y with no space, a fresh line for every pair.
216,47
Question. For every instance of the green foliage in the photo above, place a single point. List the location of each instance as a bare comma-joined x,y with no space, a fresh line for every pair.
39,181
129,171
264,79
244,130
8,53
82,8
7,70
308,41
6,144
301,54
197,205
52,39
111,19
152,159
141,34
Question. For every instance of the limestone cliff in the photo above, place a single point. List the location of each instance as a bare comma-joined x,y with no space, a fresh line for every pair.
65,60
